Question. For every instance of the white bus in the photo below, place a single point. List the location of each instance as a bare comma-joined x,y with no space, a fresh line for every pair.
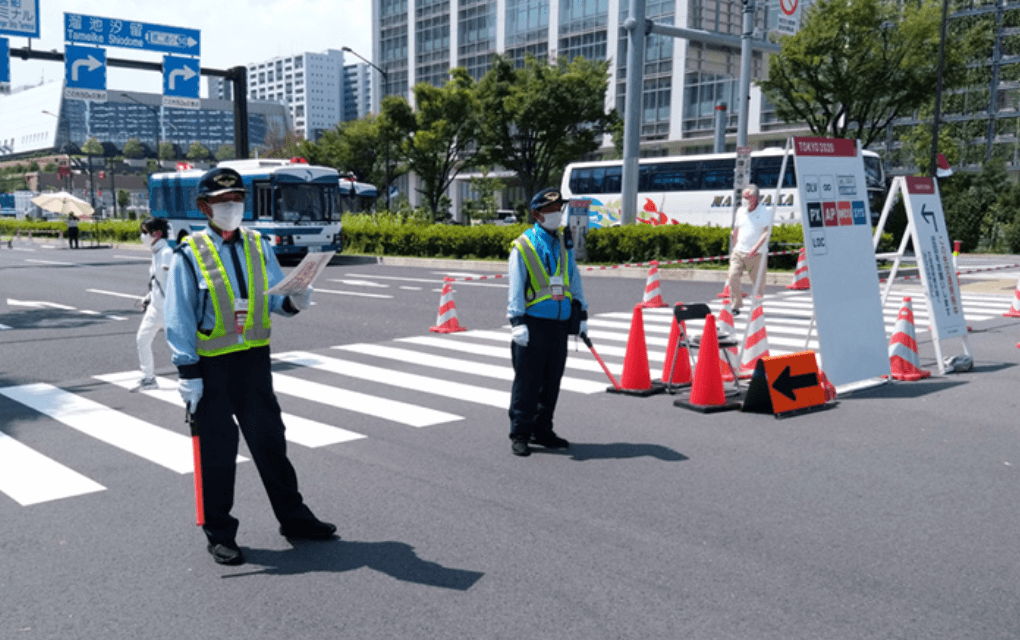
295,205
697,189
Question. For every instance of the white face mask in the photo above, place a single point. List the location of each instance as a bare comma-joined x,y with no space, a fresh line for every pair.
146,240
551,221
227,215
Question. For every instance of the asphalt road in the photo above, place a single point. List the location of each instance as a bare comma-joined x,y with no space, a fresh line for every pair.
892,515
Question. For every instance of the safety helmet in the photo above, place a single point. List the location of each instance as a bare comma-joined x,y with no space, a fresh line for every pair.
151,225
546,197
218,181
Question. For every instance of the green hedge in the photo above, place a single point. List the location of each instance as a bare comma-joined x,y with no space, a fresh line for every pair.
393,234
107,230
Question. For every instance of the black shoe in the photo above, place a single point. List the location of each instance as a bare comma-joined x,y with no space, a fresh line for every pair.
736,312
226,553
520,448
550,441
309,530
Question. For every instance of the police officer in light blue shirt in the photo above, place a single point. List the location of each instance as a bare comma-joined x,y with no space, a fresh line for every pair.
544,282
218,326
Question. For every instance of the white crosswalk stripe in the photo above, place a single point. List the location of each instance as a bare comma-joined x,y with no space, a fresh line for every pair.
432,375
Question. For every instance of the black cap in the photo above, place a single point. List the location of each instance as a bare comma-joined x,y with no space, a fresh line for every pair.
156,224
546,197
220,180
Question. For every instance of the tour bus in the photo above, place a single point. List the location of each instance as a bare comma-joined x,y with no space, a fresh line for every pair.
697,189
295,205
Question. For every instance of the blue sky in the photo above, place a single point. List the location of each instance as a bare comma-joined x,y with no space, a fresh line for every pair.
234,32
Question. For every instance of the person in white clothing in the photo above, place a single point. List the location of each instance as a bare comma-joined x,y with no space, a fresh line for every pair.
750,232
154,233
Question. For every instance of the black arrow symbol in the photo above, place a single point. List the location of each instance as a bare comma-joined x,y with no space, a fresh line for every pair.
786,384
929,214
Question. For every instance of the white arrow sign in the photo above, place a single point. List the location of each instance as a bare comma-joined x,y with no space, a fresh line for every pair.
91,62
185,72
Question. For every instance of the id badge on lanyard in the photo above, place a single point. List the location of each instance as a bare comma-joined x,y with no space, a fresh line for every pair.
240,314
556,286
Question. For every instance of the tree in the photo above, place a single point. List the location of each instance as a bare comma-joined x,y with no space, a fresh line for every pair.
281,142
857,65
123,198
197,152
485,207
167,151
225,152
438,137
92,147
357,146
537,119
133,148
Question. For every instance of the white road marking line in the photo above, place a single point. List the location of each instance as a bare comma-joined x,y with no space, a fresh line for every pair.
492,352
423,384
393,410
462,366
115,293
156,444
353,293
411,288
66,264
432,281
308,433
29,477
360,283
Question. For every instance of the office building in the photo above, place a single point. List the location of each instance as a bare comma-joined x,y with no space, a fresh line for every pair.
357,91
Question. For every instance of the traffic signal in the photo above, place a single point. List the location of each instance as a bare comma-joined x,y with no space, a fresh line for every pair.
102,175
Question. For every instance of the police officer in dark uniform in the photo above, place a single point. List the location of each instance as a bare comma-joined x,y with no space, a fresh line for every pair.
217,327
543,282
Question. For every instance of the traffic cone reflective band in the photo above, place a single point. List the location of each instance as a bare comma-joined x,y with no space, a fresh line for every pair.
682,367
446,321
707,393
903,358
637,377
1014,310
800,275
653,294
726,327
757,344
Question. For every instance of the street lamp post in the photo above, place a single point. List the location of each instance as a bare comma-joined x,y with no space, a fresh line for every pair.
386,82
155,114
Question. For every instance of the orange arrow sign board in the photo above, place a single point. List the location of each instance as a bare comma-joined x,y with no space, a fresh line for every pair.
793,381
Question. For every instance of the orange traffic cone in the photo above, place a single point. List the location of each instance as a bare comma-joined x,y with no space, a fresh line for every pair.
637,376
828,387
757,344
446,320
653,294
726,327
707,394
726,292
682,368
1014,310
903,358
800,275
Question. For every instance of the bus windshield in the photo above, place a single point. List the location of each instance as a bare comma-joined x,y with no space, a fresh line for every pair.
305,203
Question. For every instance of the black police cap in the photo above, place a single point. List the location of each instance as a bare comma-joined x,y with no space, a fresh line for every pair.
220,180
546,197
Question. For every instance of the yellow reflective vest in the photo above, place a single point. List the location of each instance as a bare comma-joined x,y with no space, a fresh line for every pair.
538,289
224,338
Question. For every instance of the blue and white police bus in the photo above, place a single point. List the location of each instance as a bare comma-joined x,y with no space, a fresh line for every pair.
295,205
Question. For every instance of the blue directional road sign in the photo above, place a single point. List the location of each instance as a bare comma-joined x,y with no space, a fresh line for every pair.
181,82
85,73
5,61
114,32
19,18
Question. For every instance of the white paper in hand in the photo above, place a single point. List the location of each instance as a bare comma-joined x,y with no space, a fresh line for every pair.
303,275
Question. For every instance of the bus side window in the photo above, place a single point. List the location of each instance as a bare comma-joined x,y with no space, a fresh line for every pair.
262,206
718,174
614,180
598,180
580,181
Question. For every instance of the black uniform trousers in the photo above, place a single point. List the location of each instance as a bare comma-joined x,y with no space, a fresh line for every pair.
538,368
240,385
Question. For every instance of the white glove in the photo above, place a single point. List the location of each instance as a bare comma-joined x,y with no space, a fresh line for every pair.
520,335
303,300
191,392
584,327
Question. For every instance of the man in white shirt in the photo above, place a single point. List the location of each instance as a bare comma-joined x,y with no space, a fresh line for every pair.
154,232
750,232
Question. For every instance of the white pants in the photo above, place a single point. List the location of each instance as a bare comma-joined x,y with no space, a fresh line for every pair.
152,322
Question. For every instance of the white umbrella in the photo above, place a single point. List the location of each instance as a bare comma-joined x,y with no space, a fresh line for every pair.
63,203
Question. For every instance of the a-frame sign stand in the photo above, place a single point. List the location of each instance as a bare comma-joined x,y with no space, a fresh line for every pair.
926,229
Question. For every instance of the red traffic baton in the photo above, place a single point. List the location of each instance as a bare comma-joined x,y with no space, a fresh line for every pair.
587,342
196,449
